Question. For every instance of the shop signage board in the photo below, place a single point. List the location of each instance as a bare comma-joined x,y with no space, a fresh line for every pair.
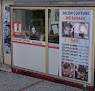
76,27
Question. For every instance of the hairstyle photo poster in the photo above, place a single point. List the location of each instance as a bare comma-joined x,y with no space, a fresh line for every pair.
75,27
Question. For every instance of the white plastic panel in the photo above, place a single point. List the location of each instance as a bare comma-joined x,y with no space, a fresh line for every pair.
29,57
53,61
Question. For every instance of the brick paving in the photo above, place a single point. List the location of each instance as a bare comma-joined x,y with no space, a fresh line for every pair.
15,82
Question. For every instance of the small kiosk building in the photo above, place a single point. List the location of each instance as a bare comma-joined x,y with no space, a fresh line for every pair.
54,41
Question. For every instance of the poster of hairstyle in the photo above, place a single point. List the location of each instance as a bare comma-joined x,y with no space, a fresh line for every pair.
81,30
75,32
17,28
67,69
78,30
81,72
67,29
7,32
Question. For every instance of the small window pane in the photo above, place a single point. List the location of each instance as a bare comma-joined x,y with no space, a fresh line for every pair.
32,24
53,36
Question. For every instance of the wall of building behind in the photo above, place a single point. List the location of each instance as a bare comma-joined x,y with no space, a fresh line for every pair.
7,56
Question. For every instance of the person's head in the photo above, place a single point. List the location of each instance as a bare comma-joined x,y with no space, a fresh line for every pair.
41,37
27,35
83,28
7,8
81,71
66,69
68,27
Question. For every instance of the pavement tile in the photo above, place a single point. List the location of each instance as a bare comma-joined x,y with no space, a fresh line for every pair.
51,86
14,82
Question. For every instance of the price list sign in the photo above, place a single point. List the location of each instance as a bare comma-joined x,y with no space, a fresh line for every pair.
76,44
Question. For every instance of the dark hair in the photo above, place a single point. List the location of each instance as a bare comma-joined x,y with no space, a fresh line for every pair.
81,69
7,8
66,65
27,34
68,25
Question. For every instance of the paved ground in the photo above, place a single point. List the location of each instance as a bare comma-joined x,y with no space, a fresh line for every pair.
16,82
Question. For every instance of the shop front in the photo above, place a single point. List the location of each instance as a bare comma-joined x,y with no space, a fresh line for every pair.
54,41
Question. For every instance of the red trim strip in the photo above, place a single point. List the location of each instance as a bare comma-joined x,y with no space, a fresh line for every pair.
53,47
36,45
29,44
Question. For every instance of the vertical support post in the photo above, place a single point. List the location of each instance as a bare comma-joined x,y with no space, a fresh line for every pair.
11,23
46,38
93,49
1,34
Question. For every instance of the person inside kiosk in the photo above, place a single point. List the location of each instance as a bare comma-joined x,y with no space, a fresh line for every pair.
27,35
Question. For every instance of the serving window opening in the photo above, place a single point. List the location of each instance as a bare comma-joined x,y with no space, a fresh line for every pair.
29,24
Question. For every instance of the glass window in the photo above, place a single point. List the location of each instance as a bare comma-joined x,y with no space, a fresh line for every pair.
53,18
30,23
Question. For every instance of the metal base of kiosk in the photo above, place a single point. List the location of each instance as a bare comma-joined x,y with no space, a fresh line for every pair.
41,76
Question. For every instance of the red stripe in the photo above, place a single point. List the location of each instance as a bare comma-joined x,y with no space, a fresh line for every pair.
36,45
29,44
53,47
31,85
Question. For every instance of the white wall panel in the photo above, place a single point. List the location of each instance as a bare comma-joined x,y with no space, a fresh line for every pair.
53,61
29,57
